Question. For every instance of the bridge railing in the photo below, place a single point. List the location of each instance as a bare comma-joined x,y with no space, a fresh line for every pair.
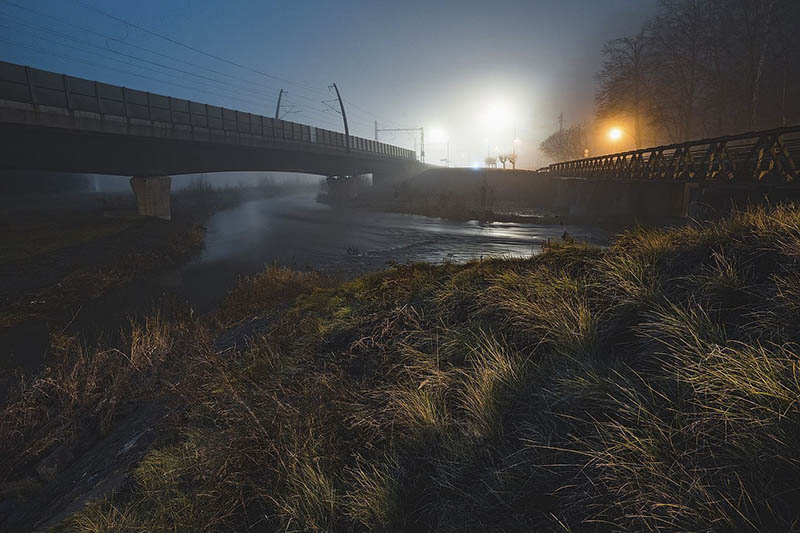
78,97
762,156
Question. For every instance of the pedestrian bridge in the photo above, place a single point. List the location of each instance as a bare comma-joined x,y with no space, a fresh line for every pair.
55,122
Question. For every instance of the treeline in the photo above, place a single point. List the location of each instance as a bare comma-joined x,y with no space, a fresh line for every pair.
705,68
698,68
15,183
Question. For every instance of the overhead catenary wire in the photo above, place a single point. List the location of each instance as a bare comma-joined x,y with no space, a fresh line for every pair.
332,123
190,47
122,54
203,52
107,37
122,71
323,115
259,104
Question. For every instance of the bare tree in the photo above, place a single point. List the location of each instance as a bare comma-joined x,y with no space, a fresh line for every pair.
783,72
706,67
503,159
512,158
565,145
677,38
762,58
490,161
622,80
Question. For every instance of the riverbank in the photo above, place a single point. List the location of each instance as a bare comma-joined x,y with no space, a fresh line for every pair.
649,385
71,266
524,196
485,204
297,232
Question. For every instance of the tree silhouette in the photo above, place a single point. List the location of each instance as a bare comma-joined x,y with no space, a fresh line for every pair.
622,80
565,145
702,68
512,158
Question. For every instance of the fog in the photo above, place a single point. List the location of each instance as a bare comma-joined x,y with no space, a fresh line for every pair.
119,184
444,65
294,230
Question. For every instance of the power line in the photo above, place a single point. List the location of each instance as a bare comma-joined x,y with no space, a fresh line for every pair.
199,51
94,64
324,113
127,72
148,50
189,47
107,48
247,99
125,43
195,86
92,45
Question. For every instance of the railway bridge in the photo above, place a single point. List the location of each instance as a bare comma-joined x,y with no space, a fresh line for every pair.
55,122
673,179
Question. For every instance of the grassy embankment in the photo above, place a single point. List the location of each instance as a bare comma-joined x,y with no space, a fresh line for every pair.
651,385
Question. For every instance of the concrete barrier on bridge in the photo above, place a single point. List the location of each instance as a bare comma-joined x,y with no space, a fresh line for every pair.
54,122
152,195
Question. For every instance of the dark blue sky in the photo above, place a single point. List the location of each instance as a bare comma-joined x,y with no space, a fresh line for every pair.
471,72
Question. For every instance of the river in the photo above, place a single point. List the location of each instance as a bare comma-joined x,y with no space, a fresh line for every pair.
290,230
297,231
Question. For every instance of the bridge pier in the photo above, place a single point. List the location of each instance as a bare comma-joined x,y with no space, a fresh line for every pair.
152,196
343,188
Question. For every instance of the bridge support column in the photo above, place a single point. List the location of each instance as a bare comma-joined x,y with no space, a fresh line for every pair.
152,195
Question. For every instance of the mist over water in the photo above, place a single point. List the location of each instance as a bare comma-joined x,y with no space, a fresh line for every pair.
298,232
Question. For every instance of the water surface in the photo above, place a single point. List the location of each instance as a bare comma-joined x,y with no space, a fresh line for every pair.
297,231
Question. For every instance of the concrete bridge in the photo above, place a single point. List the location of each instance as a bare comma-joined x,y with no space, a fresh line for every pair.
55,122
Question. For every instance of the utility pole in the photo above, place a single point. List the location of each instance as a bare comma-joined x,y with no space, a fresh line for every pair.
278,107
344,118
561,122
421,137
514,142
446,160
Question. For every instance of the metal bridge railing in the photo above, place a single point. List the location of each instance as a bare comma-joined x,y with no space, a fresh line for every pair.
760,156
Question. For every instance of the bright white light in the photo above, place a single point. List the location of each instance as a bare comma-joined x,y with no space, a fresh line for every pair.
497,115
437,135
475,164
615,134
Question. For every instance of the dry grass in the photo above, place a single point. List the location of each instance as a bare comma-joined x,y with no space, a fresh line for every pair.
52,418
266,290
649,386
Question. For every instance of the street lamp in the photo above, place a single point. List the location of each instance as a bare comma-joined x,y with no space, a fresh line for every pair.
615,134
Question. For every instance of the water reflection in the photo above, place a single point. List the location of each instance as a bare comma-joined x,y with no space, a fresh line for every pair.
296,231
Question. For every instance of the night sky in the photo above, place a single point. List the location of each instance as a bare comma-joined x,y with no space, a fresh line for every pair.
470,72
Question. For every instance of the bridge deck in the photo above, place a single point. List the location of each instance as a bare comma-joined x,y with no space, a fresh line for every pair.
52,121
766,157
